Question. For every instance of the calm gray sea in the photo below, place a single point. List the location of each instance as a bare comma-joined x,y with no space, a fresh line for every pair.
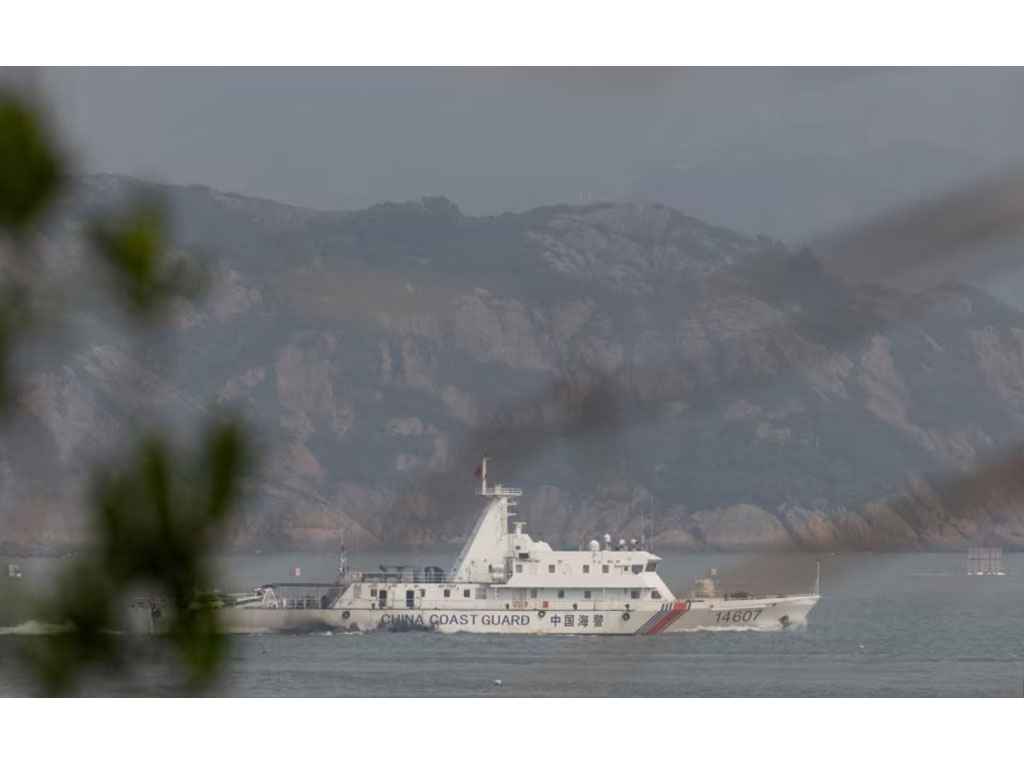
887,625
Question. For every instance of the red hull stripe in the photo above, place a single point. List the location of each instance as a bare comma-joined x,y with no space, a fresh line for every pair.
678,609
663,611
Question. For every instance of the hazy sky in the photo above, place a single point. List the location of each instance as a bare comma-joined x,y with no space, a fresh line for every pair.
491,140
348,138
789,152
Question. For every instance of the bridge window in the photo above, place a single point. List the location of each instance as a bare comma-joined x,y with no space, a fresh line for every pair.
561,593
373,593
533,593
519,567
423,593
447,593
635,594
655,594
465,593
586,569
586,594
651,565
604,569
551,569
637,568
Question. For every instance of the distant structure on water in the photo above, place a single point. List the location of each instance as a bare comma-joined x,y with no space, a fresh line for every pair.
985,561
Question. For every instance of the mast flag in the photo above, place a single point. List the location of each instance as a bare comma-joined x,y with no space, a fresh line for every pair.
481,472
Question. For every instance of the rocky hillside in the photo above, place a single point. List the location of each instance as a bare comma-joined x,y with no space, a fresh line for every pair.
615,361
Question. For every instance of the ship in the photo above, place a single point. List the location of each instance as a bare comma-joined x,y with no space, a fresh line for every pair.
504,582
985,561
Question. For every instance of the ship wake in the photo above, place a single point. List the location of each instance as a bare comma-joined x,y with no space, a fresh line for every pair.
33,627
794,626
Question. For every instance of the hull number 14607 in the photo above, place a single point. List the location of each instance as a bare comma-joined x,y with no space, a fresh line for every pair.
735,617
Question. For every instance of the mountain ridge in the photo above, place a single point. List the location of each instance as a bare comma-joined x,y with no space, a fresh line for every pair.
769,404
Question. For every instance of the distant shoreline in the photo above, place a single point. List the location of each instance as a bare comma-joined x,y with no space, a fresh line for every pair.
14,552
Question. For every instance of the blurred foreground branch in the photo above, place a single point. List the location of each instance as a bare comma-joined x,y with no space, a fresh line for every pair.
155,518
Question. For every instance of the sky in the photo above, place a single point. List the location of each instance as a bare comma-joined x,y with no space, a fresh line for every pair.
793,153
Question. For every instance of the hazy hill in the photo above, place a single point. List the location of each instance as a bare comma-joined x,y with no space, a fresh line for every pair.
760,401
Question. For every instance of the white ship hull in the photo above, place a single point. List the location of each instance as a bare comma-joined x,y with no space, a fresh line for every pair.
775,613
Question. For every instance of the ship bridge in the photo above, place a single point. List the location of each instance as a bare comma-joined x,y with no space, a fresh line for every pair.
495,555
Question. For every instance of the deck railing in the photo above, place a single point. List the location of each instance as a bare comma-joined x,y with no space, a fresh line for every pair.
409,577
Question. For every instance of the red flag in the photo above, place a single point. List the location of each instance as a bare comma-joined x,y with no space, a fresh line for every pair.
479,471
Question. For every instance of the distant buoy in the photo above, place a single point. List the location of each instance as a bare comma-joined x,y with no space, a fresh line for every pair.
496,682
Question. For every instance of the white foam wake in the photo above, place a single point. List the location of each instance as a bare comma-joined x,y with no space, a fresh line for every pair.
795,626
32,627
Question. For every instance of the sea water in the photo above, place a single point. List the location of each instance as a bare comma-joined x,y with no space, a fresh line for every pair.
887,625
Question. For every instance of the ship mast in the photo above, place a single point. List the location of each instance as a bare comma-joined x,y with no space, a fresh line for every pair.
489,543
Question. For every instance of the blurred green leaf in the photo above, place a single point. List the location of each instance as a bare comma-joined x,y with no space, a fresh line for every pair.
30,168
158,518
82,614
158,515
15,319
225,458
147,277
